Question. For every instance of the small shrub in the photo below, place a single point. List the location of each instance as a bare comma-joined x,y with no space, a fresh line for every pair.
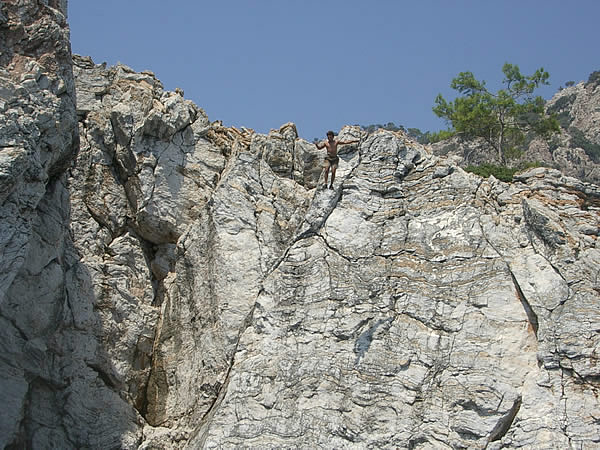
564,119
513,153
578,139
562,103
390,126
500,172
553,144
594,78
441,135
418,135
560,110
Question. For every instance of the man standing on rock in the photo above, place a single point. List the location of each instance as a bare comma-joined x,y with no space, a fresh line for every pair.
332,158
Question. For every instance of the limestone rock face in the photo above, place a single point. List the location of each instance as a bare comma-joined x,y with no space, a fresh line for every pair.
428,308
576,151
38,138
414,305
176,283
169,211
37,119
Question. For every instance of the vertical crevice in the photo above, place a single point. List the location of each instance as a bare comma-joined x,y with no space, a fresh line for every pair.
21,440
504,424
203,427
531,315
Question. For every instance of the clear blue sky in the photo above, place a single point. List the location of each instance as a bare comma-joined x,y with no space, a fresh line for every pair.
323,64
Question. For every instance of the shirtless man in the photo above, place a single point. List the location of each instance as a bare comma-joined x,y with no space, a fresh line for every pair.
332,158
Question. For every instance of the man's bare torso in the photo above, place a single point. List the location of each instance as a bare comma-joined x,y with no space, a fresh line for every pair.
331,148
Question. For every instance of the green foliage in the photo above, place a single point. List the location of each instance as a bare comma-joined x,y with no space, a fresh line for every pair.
562,103
502,173
513,152
570,83
500,118
429,137
390,126
564,119
594,78
418,135
578,139
560,110
553,144
415,133
440,135
426,137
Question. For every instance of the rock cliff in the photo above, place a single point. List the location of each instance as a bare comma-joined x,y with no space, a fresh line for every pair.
168,282
38,140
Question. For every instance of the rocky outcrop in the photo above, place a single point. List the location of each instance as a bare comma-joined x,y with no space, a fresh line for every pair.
38,120
38,138
575,151
154,178
424,308
415,305
176,283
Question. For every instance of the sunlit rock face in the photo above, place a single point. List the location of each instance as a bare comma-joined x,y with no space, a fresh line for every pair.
169,282
412,305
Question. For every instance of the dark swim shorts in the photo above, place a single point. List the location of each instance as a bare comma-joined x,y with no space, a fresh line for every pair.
331,162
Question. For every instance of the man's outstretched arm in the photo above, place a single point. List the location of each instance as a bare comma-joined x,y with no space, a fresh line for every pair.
348,142
319,145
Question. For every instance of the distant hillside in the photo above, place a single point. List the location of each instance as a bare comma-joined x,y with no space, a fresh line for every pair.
576,151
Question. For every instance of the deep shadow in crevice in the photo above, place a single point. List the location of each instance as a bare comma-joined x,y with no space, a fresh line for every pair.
531,315
504,424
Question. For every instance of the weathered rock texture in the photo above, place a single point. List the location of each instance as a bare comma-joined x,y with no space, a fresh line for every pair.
38,138
189,285
575,151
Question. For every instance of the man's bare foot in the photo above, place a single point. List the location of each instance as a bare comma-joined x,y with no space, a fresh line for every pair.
331,186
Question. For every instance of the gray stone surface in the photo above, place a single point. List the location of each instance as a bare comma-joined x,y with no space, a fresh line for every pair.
38,138
422,313
181,284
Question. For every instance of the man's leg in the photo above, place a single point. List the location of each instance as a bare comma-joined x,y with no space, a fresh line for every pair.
326,174
333,169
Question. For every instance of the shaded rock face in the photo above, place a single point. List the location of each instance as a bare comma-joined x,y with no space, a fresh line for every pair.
38,138
37,106
180,284
575,151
